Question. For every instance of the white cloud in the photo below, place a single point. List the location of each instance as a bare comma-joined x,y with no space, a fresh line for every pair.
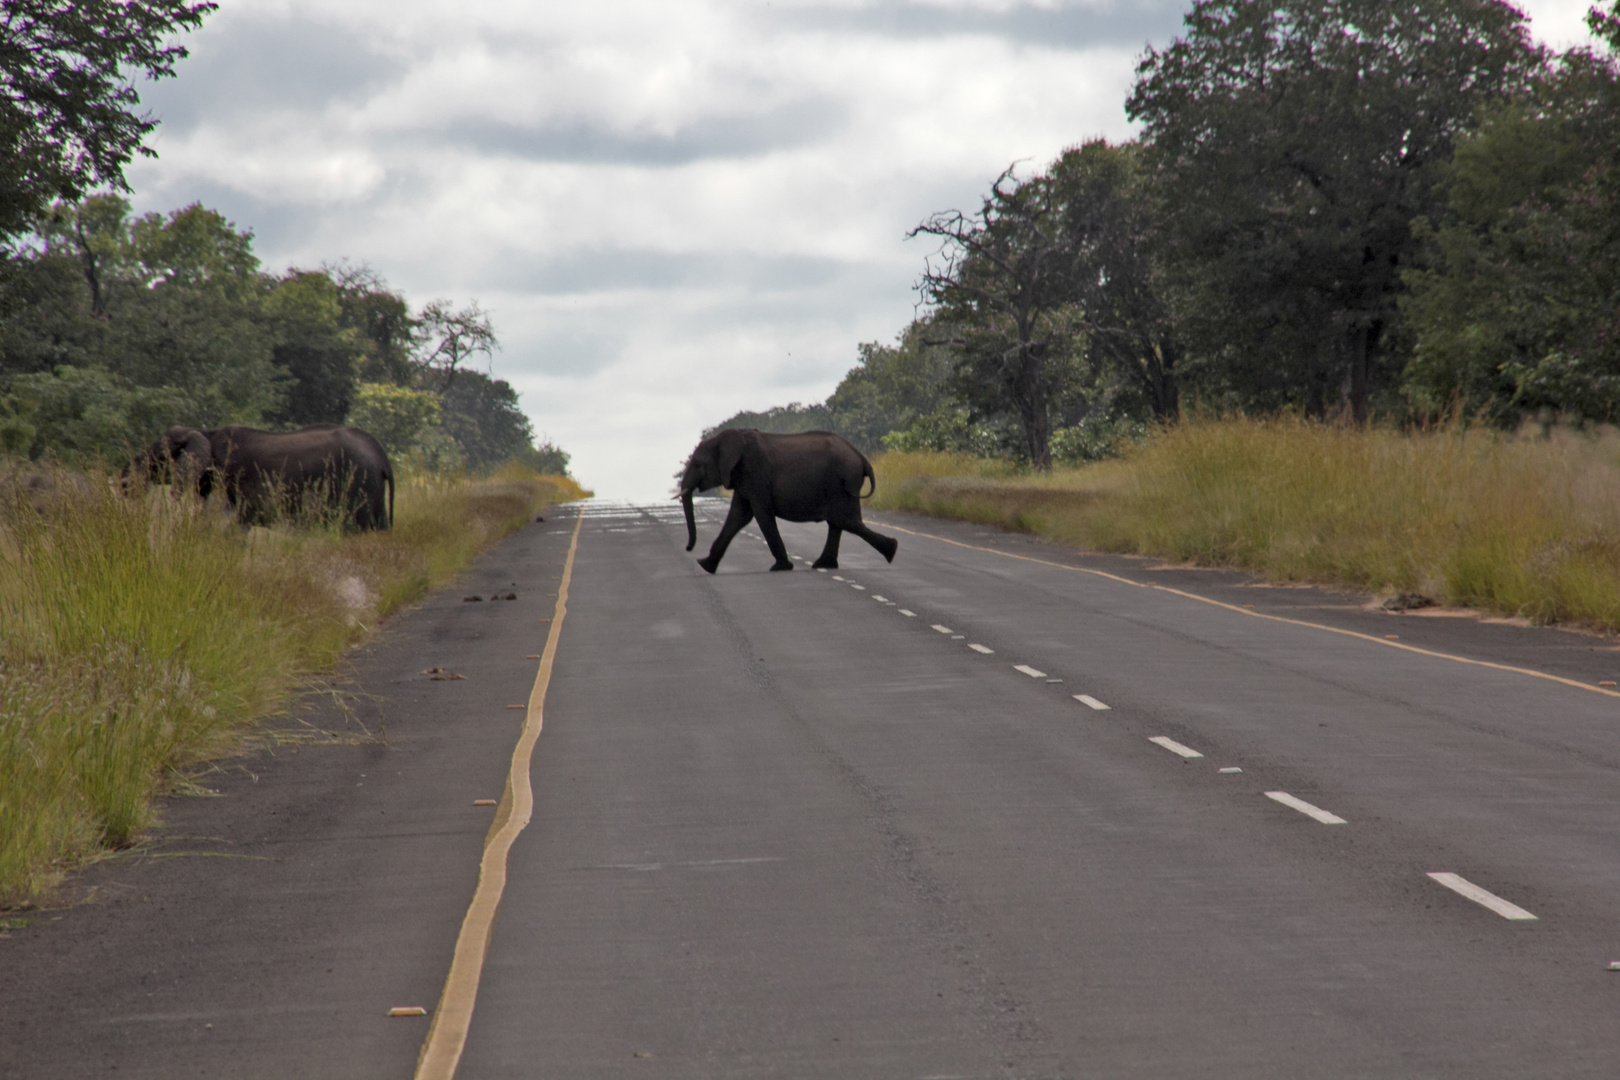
673,208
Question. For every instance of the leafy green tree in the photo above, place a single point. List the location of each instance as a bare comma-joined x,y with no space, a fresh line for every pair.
1514,310
79,414
787,419
1293,142
185,308
163,301
381,319
397,416
546,458
319,354
483,417
1003,287
892,386
1108,221
67,104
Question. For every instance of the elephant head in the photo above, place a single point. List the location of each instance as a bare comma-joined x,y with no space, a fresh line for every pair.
710,466
182,455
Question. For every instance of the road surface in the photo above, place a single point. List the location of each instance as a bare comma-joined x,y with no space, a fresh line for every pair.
994,810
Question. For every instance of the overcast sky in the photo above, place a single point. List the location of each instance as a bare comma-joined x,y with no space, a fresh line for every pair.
674,209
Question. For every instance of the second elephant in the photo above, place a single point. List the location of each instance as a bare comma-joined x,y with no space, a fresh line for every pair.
321,470
811,476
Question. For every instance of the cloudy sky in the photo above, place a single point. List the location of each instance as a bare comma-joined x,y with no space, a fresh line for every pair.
674,209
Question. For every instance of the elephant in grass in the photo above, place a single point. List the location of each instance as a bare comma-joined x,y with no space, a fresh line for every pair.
319,469
812,476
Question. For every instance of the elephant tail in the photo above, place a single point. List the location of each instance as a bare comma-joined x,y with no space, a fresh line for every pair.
389,476
866,474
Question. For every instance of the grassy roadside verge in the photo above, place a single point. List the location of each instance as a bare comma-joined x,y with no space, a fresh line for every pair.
1525,526
141,635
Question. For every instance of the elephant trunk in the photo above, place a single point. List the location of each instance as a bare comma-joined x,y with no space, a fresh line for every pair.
691,522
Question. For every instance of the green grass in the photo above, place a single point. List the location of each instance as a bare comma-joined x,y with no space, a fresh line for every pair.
142,634
1521,525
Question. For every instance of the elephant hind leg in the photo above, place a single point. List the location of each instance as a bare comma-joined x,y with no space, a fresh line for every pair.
828,559
885,545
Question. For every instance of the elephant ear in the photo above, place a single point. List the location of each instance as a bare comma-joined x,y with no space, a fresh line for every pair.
193,456
730,453
197,447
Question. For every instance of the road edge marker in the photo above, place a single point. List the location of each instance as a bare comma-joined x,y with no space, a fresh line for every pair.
447,1037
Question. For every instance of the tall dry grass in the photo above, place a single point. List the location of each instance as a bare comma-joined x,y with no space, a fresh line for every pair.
142,633
1525,525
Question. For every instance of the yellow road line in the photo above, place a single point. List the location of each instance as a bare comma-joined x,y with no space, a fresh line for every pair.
1273,618
441,1051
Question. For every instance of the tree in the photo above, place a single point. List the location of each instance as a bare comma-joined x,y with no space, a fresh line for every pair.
382,321
1002,287
407,423
83,413
483,417
320,355
788,419
67,120
167,301
450,337
1293,143
546,458
1108,220
1514,309
891,387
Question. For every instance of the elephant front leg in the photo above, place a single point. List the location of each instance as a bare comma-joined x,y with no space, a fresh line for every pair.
828,560
739,515
773,539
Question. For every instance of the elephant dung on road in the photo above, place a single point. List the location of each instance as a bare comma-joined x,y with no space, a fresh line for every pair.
319,471
811,476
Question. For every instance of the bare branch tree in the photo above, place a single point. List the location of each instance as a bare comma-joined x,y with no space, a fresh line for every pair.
1002,281
449,337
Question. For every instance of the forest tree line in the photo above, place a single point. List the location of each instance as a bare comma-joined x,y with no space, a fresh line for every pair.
114,327
1355,209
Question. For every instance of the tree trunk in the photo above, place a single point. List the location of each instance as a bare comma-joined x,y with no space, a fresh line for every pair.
1358,374
1166,396
92,271
1036,416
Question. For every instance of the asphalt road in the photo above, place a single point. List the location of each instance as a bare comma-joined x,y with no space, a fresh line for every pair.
851,824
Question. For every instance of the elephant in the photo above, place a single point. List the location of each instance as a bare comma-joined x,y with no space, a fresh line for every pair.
810,476
265,473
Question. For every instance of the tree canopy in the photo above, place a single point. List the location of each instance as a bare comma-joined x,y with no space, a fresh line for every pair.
67,104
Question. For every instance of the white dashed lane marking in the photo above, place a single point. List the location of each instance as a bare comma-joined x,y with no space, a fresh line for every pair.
981,649
1088,700
943,629
908,614
1174,747
1306,808
837,578
1464,887
880,599
1031,672
855,586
